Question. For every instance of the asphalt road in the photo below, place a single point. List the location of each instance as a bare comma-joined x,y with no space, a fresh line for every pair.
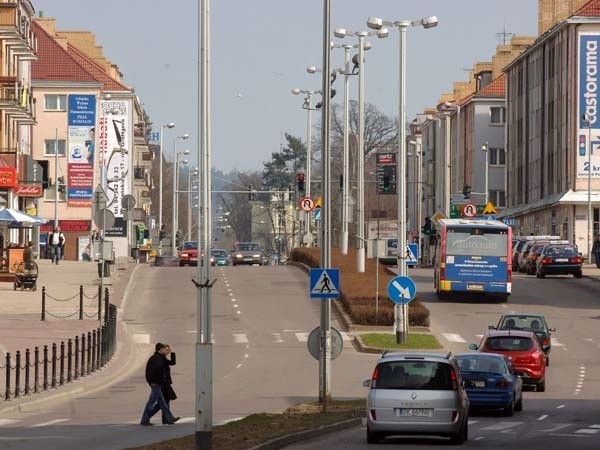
261,320
567,415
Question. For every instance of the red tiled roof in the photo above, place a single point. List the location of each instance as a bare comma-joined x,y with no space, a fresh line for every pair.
497,88
590,9
53,62
109,84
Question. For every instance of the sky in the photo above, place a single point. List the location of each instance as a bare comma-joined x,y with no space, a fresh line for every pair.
260,51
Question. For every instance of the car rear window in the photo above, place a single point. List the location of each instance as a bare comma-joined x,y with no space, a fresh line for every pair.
248,247
532,323
566,251
190,245
509,343
477,363
219,253
426,375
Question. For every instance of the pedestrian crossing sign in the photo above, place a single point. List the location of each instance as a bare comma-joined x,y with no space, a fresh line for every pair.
412,254
324,283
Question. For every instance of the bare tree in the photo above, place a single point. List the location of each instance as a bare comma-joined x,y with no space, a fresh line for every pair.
238,204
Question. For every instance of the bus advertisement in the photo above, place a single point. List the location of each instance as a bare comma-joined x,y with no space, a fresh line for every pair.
473,256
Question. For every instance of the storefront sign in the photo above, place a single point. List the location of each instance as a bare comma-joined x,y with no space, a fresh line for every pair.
28,190
69,226
8,177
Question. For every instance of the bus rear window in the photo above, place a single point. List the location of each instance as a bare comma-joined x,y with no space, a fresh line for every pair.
473,241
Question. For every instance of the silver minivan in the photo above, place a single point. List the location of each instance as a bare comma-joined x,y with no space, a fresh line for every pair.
417,394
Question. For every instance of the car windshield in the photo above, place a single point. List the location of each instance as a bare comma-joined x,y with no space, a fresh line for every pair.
480,363
414,375
219,253
248,248
508,343
192,245
529,323
562,251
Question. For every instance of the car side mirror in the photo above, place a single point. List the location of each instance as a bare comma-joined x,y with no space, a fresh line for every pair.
552,329
367,383
491,327
473,346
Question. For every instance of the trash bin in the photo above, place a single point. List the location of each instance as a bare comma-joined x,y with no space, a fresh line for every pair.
106,269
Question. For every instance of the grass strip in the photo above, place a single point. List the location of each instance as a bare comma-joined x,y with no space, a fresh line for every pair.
259,428
386,341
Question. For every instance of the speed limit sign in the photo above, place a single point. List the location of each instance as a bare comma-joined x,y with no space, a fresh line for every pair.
307,204
470,210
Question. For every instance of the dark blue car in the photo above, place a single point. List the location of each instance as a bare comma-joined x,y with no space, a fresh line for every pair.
491,382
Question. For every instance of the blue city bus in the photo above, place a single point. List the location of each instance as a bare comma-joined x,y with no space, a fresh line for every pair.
473,256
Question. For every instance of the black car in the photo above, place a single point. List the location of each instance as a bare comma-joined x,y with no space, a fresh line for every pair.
559,259
536,323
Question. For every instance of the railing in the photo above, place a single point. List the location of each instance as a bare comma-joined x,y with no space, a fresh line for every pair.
81,311
21,96
62,363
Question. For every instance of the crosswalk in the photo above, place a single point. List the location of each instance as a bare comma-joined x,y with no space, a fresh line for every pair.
476,338
273,337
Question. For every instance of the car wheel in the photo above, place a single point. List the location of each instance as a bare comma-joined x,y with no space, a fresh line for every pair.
462,436
578,274
519,404
541,386
372,437
510,409
181,264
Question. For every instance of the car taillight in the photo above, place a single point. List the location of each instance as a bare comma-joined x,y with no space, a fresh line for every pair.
576,260
375,377
453,379
546,260
502,384
373,414
534,258
545,342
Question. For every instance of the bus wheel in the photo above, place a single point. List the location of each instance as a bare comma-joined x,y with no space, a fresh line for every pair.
504,298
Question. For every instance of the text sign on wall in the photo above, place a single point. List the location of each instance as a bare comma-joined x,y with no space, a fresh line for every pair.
588,141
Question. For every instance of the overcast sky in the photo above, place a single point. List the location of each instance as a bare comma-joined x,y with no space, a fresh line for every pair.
260,50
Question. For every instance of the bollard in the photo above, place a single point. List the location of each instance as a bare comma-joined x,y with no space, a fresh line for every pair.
62,363
93,350
99,302
36,370
45,367
18,374
54,364
82,373
80,302
76,358
89,352
7,396
98,346
105,344
106,302
27,364
44,303
69,360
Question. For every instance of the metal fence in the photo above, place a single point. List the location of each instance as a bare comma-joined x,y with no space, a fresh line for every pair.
96,302
58,364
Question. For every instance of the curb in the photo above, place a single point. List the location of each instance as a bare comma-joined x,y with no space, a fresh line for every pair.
361,347
284,441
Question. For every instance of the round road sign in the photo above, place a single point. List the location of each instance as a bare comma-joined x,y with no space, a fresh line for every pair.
307,204
469,210
314,343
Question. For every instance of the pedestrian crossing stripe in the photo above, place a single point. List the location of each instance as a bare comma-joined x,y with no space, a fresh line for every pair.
324,283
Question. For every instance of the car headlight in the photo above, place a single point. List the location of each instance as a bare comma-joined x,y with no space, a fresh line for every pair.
256,256
239,255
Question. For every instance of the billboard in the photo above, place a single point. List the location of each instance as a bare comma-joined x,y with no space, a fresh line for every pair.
114,140
588,133
81,137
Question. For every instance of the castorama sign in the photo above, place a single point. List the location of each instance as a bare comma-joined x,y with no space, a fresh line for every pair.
588,135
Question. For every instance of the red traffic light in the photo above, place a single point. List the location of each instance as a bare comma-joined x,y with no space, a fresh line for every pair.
300,177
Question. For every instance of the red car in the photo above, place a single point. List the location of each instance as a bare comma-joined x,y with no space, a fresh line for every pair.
188,255
523,348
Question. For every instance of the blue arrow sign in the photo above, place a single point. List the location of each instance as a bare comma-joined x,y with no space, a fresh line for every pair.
324,283
401,288
317,214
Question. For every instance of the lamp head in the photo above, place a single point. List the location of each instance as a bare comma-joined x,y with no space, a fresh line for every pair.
296,91
186,152
429,22
185,161
170,125
383,33
375,23
367,46
340,33
311,69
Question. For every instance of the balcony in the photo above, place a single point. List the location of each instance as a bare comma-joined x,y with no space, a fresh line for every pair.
15,27
16,100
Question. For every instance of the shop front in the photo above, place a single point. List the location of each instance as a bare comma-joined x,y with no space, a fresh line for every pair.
77,235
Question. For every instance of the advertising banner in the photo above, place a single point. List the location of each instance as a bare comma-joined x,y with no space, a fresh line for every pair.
388,228
588,133
8,177
82,119
114,151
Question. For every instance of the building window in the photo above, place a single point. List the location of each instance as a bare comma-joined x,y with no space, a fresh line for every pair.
54,102
498,115
497,157
498,198
50,193
50,146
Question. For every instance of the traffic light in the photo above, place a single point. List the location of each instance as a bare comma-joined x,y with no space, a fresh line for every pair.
387,186
341,183
60,185
428,227
300,180
467,191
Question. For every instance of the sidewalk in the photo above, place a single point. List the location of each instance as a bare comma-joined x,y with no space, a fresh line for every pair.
591,271
20,311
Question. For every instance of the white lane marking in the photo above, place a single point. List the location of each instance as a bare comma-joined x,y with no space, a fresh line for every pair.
569,435
556,342
545,416
228,289
504,306
238,366
50,422
594,426
231,294
478,438
277,337
246,356
302,337
588,340
560,406
558,426
191,331
5,422
479,336
238,311
473,422
236,306
240,338
141,338
587,431
502,426
233,300
186,420
291,330
452,337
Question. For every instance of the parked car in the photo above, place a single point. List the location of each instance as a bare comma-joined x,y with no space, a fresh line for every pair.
532,256
247,253
515,252
559,259
523,348
416,394
536,323
491,381
188,254
219,257
522,258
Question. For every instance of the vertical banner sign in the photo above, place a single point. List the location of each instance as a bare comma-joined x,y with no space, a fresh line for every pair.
82,119
114,145
588,80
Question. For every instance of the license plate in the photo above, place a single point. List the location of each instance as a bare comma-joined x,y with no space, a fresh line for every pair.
475,287
414,412
477,383
562,260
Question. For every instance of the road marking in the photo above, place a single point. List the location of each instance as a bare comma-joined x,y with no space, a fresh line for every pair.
240,338
560,406
569,435
238,366
454,337
187,420
231,294
558,426
141,338
291,330
228,289
238,311
588,340
5,422
277,337
302,337
246,356
473,422
545,416
504,306
502,426
46,424
235,306
191,331
594,426
478,438
556,342
233,299
587,431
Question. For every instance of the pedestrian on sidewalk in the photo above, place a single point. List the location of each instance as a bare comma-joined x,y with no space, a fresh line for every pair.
56,240
28,256
596,251
156,377
166,388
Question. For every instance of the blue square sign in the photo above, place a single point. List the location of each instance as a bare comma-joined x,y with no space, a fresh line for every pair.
324,283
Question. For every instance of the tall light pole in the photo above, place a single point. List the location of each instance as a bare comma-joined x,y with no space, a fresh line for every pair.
588,120
360,203
192,174
175,198
376,23
160,184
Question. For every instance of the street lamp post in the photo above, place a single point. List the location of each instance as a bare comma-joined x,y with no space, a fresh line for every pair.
485,149
376,23
175,198
160,184
192,174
